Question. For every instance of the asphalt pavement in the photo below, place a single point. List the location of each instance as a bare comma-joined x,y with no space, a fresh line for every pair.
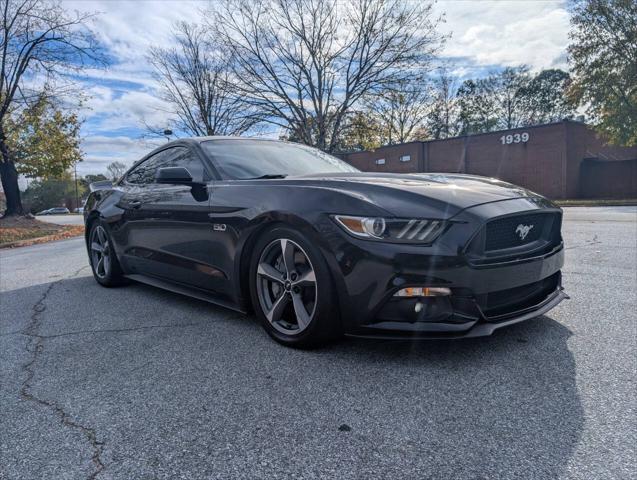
138,383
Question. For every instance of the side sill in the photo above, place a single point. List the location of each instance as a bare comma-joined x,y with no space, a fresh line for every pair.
192,292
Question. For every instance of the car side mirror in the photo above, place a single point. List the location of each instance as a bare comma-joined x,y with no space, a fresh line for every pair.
174,176
101,185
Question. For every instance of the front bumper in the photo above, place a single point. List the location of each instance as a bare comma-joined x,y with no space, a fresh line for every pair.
484,296
481,327
532,285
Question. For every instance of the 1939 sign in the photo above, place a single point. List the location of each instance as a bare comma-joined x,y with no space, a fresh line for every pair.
514,138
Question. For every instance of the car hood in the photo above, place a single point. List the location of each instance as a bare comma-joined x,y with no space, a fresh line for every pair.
422,194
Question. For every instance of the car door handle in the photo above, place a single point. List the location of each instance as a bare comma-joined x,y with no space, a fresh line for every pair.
135,203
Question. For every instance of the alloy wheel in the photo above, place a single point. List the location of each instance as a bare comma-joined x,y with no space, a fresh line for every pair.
286,286
100,252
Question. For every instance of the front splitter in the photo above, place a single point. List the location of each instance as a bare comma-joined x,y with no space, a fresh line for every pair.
481,328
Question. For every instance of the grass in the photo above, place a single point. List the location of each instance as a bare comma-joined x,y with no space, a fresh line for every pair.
22,231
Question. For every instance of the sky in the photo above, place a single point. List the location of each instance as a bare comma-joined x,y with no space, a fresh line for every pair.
485,36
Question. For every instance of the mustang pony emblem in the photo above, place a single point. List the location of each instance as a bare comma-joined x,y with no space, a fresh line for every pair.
523,230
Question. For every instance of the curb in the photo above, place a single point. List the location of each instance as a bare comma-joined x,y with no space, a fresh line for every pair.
37,240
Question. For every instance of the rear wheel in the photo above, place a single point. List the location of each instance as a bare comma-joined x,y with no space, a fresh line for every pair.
104,263
291,289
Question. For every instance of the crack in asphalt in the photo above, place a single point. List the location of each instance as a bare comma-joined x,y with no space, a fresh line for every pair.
587,243
106,330
120,330
31,330
8,334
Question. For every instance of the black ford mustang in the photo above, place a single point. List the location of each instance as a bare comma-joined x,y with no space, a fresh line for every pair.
318,248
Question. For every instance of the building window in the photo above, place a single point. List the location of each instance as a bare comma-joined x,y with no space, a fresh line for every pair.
405,158
380,161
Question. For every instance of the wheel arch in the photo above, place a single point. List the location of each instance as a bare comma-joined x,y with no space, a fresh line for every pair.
261,225
88,224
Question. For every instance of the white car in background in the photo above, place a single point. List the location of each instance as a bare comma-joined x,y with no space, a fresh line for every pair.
54,211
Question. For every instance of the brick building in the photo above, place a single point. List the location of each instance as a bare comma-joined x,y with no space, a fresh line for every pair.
559,160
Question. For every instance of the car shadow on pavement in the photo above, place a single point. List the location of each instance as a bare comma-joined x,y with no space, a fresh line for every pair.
504,403
505,406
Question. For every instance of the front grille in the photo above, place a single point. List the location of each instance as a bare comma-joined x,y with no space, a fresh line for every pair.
517,231
508,301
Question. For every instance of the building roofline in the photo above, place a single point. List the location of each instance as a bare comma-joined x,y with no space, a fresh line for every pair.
540,125
564,121
352,152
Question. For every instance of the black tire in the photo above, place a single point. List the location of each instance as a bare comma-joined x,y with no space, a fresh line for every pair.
108,272
319,303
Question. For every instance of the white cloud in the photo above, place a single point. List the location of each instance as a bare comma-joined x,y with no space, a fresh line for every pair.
506,33
102,150
123,96
486,34
111,110
128,28
128,72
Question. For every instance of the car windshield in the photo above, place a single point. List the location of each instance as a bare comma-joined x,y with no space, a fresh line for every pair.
246,159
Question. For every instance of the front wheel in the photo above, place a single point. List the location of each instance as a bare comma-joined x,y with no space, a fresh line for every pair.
291,289
104,263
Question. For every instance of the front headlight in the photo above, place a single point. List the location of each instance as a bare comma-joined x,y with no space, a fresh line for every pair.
399,230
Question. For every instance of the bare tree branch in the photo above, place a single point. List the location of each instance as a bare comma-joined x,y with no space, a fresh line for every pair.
401,109
306,63
196,81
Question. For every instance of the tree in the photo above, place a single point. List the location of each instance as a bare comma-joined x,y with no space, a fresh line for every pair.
512,98
53,192
442,118
509,89
116,170
545,98
361,131
603,61
477,106
400,109
196,81
43,139
493,102
37,37
304,64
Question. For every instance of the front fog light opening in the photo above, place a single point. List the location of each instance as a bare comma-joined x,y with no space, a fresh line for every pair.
417,308
423,292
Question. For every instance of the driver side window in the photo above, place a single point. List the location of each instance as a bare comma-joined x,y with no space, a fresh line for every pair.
183,157
146,171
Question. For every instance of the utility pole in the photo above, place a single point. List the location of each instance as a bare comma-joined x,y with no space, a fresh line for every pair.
77,196
167,134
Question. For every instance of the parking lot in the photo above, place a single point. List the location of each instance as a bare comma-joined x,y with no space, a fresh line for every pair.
135,382
69,219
